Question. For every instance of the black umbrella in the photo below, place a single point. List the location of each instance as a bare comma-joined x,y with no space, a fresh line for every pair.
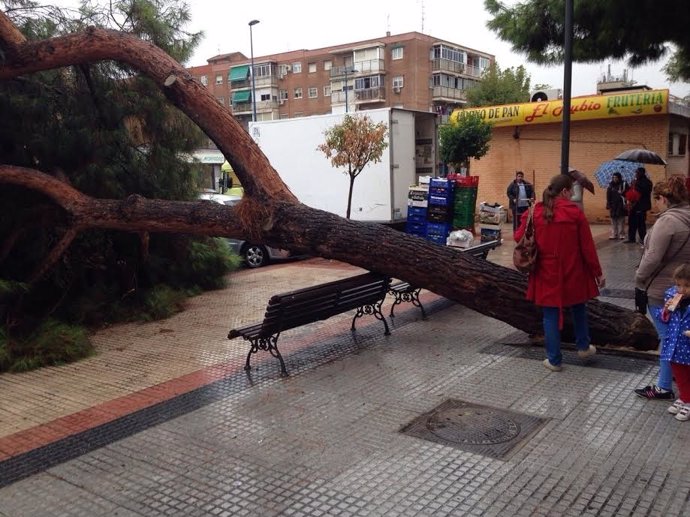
641,155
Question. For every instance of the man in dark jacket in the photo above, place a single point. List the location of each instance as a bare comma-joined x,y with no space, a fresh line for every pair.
520,195
637,215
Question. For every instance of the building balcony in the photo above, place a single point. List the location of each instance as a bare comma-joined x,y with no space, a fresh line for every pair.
370,95
448,94
238,85
359,96
242,108
445,65
360,67
454,67
265,80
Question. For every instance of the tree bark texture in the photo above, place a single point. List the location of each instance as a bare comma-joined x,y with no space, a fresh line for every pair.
269,212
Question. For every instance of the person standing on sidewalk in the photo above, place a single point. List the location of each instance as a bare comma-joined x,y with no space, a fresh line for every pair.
567,272
520,196
675,315
666,247
637,214
615,204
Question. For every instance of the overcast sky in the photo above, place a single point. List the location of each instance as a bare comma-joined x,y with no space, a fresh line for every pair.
312,24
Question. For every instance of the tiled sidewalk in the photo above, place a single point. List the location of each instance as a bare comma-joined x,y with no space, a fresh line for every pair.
164,421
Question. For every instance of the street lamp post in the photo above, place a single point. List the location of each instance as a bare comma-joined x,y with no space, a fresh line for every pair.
347,71
251,49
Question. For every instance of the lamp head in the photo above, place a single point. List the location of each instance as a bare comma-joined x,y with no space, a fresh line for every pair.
253,22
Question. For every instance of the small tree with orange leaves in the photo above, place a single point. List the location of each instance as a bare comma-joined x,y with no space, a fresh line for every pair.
354,144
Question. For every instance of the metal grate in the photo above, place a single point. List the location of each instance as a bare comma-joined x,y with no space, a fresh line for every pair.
473,428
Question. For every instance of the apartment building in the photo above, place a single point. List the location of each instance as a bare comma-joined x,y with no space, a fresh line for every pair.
412,71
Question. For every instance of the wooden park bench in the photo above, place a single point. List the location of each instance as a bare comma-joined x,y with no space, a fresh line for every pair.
404,292
286,311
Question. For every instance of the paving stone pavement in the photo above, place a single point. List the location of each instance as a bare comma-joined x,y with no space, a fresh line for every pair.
164,421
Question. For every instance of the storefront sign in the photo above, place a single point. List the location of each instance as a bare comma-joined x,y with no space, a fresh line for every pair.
625,104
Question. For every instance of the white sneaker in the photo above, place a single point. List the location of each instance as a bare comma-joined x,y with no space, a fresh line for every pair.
552,367
683,413
676,407
583,354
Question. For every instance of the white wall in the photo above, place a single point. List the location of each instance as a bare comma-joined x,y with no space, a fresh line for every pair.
290,145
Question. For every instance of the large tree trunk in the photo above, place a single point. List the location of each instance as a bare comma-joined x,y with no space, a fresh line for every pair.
269,212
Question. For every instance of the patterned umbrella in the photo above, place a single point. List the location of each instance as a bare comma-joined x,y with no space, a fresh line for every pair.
605,171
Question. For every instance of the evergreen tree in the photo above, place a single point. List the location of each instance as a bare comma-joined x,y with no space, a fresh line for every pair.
640,31
110,133
500,87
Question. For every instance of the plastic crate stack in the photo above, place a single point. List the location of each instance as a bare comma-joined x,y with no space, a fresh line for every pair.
490,222
417,204
465,200
440,211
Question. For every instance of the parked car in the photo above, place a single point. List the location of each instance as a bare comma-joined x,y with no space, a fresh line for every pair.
254,255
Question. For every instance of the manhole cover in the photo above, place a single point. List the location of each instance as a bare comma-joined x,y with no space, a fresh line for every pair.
474,428
479,426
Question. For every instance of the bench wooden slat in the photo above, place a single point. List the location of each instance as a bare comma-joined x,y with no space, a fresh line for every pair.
293,309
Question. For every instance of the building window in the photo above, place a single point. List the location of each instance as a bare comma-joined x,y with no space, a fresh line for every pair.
365,83
283,95
221,100
265,96
219,79
327,91
397,53
677,144
312,68
327,65
398,82
298,93
313,92
297,68
204,80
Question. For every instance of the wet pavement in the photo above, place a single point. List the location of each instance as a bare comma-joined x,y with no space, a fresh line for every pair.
453,415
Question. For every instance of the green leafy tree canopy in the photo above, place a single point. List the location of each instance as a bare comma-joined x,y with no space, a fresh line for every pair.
500,87
354,144
640,31
464,139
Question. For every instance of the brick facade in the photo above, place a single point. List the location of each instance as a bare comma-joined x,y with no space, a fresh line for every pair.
536,150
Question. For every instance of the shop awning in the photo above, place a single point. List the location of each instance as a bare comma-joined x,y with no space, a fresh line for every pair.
239,73
241,96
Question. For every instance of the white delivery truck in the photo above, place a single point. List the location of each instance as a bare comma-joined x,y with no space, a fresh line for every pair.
380,191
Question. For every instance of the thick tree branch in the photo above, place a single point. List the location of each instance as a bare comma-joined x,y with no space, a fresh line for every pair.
257,176
269,211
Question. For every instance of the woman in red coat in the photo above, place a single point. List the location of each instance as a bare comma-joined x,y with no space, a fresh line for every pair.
567,272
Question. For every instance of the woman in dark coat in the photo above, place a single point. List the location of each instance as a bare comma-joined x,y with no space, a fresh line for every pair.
637,214
615,204
567,272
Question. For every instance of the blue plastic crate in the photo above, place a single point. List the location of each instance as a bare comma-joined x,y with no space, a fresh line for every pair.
438,239
441,182
417,228
440,200
416,210
438,228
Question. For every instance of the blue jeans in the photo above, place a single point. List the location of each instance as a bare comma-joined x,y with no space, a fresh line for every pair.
665,376
552,335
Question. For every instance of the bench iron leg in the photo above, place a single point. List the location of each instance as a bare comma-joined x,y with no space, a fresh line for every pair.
398,300
269,344
410,295
375,310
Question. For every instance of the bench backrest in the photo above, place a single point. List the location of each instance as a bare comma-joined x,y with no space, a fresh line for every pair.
296,308
481,250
